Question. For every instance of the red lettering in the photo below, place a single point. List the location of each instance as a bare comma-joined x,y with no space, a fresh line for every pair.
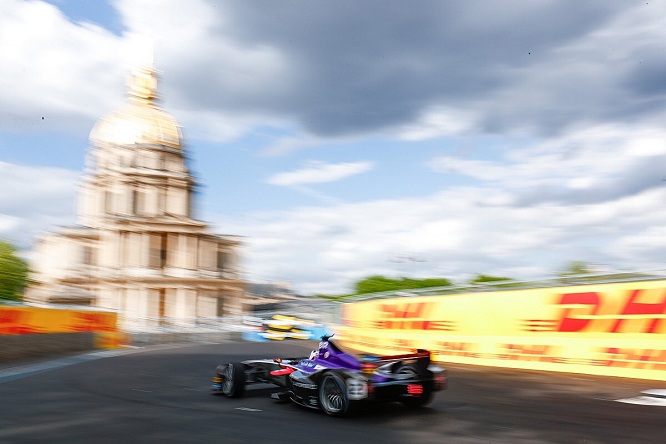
453,348
405,316
635,358
439,325
10,316
527,352
632,307
410,316
571,317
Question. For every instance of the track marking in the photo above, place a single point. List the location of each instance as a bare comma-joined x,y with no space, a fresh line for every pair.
12,373
655,397
248,409
24,371
144,391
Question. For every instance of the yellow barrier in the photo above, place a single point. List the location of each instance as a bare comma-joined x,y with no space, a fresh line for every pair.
31,320
610,329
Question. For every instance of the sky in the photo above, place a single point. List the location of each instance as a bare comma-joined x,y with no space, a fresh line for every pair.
354,138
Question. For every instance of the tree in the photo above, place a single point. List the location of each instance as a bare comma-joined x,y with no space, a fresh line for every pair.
376,284
13,273
485,279
576,268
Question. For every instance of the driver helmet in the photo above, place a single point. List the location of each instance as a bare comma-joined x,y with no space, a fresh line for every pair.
314,354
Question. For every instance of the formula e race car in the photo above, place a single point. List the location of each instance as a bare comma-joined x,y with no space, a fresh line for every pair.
336,381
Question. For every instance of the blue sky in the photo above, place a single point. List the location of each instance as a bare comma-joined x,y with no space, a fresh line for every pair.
341,138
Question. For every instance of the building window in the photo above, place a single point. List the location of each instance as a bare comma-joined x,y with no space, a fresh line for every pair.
162,305
158,250
161,201
222,261
108,202
135,201
188,203
88,255
220,307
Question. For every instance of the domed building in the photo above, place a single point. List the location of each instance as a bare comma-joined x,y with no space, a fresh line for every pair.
137,248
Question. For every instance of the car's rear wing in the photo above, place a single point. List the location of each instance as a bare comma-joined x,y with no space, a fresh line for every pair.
421,359
420,354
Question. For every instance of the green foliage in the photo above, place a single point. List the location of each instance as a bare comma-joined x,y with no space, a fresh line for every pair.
330,297
575,268
13,273
484,279
376,284
573,272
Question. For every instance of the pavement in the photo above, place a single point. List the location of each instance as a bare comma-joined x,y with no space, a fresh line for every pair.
20,368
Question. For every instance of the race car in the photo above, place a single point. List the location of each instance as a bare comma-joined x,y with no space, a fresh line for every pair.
336,381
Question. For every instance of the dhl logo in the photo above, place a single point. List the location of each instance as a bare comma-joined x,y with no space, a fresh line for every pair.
93,322
637,311
411,316
12,316
26,321
15,322
404,316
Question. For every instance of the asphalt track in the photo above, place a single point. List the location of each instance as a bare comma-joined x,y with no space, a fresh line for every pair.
161,395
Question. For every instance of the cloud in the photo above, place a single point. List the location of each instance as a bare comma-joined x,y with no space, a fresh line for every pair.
320,172
597,164
35,199
344,69
455,232
290,144
592,195
55,69
436,122
358,69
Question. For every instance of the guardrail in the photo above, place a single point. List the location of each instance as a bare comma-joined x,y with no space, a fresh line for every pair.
515,284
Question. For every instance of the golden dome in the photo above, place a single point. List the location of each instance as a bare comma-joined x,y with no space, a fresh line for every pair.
139,121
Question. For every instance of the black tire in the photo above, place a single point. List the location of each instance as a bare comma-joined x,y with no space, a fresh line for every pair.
422,400
233,380
333,399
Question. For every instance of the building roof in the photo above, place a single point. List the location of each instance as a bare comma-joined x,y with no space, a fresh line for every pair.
139,121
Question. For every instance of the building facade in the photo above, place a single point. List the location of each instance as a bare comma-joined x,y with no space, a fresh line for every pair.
137,248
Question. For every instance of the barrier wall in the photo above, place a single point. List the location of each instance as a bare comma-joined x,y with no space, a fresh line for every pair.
610,329
18,347
23,320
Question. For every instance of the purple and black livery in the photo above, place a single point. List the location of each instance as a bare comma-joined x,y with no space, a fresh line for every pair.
335,381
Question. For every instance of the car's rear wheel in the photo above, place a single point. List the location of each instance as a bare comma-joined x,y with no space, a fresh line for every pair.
333,397
233,380
426,395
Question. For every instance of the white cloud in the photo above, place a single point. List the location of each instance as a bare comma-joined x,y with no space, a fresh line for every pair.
320,172
478,169
599,162
229,67
588,195
35,199
455,234
8,223
288,145
52,68
436,122
640,246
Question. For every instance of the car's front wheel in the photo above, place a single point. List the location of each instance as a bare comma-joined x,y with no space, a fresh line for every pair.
233,380
333,397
